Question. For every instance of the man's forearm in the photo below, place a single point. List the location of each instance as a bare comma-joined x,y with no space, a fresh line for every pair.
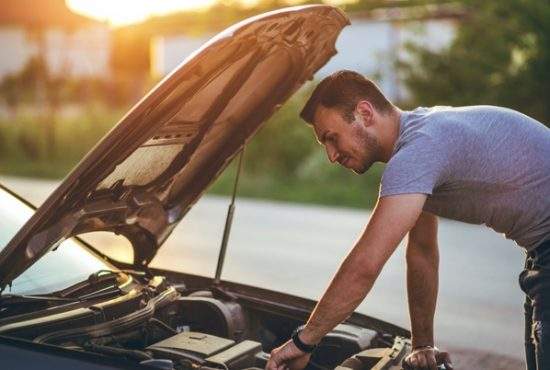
347,289
422,286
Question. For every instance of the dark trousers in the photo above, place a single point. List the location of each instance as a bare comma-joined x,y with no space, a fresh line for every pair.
534,280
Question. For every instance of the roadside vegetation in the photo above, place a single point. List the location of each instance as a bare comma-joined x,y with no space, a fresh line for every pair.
283,162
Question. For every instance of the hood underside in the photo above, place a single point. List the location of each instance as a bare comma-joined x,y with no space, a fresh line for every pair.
147,172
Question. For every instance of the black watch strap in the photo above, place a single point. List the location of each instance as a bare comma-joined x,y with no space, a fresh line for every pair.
307,348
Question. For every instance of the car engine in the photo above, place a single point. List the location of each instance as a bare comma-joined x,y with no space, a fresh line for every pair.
169,327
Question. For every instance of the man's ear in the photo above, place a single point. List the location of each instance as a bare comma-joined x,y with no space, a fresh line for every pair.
366,110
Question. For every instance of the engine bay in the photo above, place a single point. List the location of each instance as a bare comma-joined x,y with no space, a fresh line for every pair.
170,326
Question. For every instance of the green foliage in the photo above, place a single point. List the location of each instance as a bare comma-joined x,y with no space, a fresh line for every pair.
36,86
501,56
25,142
284,141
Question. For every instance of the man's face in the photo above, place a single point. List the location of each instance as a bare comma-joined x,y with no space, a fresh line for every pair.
348,143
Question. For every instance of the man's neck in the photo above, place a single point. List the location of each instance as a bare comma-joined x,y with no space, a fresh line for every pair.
390,134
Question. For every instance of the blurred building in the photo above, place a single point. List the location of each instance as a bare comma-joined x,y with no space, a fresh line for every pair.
167,52
70,44
372,44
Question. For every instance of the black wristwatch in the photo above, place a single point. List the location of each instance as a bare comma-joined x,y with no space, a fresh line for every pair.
307,348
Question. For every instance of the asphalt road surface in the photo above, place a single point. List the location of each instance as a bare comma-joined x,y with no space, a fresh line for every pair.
296,249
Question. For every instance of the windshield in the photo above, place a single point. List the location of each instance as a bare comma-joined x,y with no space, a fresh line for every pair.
68,265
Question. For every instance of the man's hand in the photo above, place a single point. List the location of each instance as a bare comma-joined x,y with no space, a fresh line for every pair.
287,357
427,358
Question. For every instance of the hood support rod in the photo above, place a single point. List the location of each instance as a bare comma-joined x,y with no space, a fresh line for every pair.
228,222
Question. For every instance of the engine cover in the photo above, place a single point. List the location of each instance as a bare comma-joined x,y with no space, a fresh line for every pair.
204,349
191,343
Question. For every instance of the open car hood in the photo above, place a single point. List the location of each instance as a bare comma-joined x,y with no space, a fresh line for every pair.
147,172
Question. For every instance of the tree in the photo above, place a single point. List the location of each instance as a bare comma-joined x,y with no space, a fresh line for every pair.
501,56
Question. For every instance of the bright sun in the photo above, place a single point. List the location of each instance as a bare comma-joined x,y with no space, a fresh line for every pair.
121,12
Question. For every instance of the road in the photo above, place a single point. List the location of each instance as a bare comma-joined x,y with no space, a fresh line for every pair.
297,248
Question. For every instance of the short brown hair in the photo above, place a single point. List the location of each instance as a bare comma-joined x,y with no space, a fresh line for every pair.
343,90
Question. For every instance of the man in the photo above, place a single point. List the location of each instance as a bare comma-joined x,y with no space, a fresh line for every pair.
483,165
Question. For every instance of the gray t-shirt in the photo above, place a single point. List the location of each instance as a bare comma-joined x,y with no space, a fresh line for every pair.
480,164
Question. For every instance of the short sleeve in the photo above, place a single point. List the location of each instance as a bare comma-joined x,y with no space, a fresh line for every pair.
417,167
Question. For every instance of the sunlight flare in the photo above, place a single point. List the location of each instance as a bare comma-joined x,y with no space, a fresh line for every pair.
122,12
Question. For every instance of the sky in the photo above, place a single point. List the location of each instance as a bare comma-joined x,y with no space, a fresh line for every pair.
123,12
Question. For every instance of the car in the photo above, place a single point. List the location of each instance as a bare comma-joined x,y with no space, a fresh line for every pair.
67,305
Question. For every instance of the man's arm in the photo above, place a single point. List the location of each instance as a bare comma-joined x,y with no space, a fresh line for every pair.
422,285
392,218
422,278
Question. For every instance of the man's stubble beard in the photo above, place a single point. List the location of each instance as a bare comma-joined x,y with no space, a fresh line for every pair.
372,148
